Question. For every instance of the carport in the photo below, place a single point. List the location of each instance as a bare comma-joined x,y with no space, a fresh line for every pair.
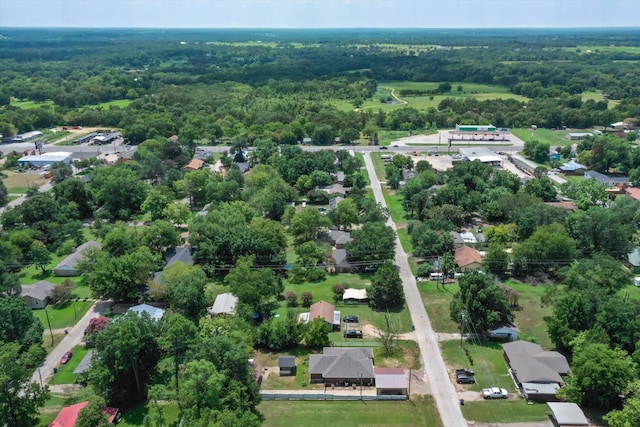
567,414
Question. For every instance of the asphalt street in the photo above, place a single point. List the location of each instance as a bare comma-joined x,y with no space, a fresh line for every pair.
435,370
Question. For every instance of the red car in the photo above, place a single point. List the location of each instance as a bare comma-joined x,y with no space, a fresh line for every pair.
65,358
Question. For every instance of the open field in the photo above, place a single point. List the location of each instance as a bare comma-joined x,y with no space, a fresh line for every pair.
486,360
597,96
27,105
554,138
420,412
530,315
63,316
584,49
505,411
122,103
436,300
20,182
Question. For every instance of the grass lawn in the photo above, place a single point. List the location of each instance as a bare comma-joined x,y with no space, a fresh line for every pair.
530,316
395,205
488,362
65,373
28,105
122,103
135,416
63,316
322,292
32,274
505,411
405,241
572,178
379,167
46,340
555,138
419,412
436,300
407,355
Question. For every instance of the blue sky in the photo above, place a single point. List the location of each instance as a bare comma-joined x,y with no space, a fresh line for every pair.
319,13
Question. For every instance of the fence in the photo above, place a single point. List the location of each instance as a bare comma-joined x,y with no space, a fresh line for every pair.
356,343
322,396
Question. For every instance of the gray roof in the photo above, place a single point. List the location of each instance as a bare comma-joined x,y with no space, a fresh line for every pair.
605,179
335,189
287,362
338,362
333,203
39,290
84,364
181,253
338,237
531,364
572,165
568,413
391,381
154,312
340,255
224,303
457,238
70,262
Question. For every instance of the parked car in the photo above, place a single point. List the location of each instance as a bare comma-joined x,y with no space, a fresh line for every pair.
352,318
465,379
352,333
65,358
494,393
465,371
384,148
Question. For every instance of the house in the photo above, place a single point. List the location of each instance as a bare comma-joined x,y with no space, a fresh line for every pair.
342,366
287,365
567,414
326,311
84,364
38,294
577,136
572,167
457,238
341,263
243,166
503,333
224,304
539,373
565,204
193,165
606,180
390,381
67,266
333,203
335,189
355,296
68,416
336,238
173,255
633,192
468,237
467,258
154,312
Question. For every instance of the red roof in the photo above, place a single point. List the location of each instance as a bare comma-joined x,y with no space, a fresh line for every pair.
322,309
466,255
388,371
634,193
69,415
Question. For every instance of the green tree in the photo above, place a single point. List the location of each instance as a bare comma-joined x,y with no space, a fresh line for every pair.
157,201
156,417
161,234
176,213
20,398
317,333
629,415
346,213
386,288
74,190
599,272
184,286
253,287
481,301
177,336
309,254
39,255
599,375
542,188
120,240
200,395
125,359
119,190
550,246
497,259
93,415
19,324
374,242
306,224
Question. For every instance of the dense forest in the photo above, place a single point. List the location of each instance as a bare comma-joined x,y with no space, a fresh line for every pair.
287,85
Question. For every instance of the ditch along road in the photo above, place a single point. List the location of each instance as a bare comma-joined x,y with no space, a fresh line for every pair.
435,370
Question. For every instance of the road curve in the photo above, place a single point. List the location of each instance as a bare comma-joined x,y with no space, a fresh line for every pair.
441,386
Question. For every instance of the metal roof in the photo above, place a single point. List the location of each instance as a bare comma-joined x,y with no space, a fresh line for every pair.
568,414
391,380
224,303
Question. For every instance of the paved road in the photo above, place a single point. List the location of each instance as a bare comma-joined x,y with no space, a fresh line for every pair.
16,202
73,338
437,376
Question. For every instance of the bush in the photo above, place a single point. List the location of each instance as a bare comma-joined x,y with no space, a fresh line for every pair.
292,299
298,275
424,269
338,291
307,299
316,274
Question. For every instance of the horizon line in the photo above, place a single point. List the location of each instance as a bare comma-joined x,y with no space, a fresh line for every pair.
323,28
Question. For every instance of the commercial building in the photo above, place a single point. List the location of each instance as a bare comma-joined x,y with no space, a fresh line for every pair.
481,153
45,159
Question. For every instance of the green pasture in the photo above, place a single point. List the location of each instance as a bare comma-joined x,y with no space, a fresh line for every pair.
121,103
134,417
584,49
554,138
418,412
27,105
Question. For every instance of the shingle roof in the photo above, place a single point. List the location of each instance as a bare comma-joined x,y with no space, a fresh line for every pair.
78,255
183,254
342,363
466,255
322,309
287,362
531,363
394,378
194,164
39,290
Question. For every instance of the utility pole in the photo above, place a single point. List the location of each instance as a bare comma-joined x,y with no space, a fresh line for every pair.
462,325
49,323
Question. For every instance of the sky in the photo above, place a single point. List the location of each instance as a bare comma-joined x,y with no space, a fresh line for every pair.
319,13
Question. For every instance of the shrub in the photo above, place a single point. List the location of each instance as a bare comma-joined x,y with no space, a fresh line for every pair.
307,299
292,299
338,291
316,274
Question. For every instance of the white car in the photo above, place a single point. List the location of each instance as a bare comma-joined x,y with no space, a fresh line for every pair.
494,393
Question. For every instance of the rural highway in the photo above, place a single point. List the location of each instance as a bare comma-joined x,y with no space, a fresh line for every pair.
441,386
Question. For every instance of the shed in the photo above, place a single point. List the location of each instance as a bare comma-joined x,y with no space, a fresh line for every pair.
503,333
567,414
391,381
38,294
67,266
355,295
224,304
287,365
577,136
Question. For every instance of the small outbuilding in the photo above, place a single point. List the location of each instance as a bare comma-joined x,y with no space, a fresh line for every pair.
287,366
567,414
224,304
390,381
503,333
355,296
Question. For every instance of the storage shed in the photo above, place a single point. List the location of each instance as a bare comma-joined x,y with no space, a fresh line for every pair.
287,366
567,414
